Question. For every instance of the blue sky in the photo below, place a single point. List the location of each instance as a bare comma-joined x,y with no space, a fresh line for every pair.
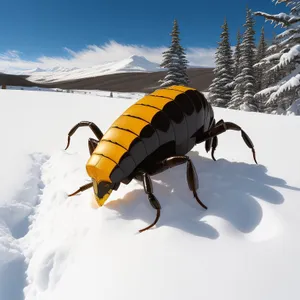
62,28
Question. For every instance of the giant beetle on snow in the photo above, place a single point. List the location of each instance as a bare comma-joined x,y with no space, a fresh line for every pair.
151,136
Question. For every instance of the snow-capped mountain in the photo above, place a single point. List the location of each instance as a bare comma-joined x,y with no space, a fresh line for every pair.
134,63
50,70
35,70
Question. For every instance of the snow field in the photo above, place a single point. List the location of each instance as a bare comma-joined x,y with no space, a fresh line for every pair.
245,246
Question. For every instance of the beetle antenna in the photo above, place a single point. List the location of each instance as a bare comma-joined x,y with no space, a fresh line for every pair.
82,188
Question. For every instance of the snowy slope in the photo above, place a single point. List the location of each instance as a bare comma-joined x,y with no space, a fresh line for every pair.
134,63
245,246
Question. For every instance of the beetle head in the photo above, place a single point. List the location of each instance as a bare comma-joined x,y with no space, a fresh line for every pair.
103,189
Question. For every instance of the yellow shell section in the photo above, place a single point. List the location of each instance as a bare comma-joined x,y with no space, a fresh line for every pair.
180,88
158,102
110,150
102,200
112,153
145,112
171,94
132,124
100,167
122,137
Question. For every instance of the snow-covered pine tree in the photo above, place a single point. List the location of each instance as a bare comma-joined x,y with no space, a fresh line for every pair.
237,54
260,69
174,60
283,60
244,90
236,95
260,54
219,90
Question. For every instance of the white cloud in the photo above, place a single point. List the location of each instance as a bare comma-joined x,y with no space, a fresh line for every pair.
92,55
204,57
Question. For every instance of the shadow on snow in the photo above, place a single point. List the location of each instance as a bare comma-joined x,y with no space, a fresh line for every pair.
227,188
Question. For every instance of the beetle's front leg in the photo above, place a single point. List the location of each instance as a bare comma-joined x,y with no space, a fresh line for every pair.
92,143
98,133
148,188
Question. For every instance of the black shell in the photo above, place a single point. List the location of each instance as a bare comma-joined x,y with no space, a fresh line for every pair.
162,124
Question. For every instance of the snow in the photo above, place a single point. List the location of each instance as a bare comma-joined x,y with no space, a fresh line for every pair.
134,63
272,57
268,91
245,246
280,19
287,83
293,82
286,58
294,109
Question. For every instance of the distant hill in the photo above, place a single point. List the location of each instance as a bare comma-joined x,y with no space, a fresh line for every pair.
200,78
134,74
16,80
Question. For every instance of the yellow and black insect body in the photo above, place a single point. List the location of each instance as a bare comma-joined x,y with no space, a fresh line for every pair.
152,135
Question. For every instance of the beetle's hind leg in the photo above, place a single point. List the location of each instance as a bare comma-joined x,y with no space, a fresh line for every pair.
221,127
224,126
214,146
98,133
212,143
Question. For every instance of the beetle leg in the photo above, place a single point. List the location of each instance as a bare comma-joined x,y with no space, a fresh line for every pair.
191,174
224,126
208,144
82,188
148,188
192,180
212,143
214,146
92,143
91,125
246,138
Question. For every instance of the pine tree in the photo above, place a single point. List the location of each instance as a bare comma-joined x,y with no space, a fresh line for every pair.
260,54
260,69
283,60
219,90
237,96
174,60
244,90
237,54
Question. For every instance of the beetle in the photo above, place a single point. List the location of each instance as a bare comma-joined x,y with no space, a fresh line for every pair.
151,136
